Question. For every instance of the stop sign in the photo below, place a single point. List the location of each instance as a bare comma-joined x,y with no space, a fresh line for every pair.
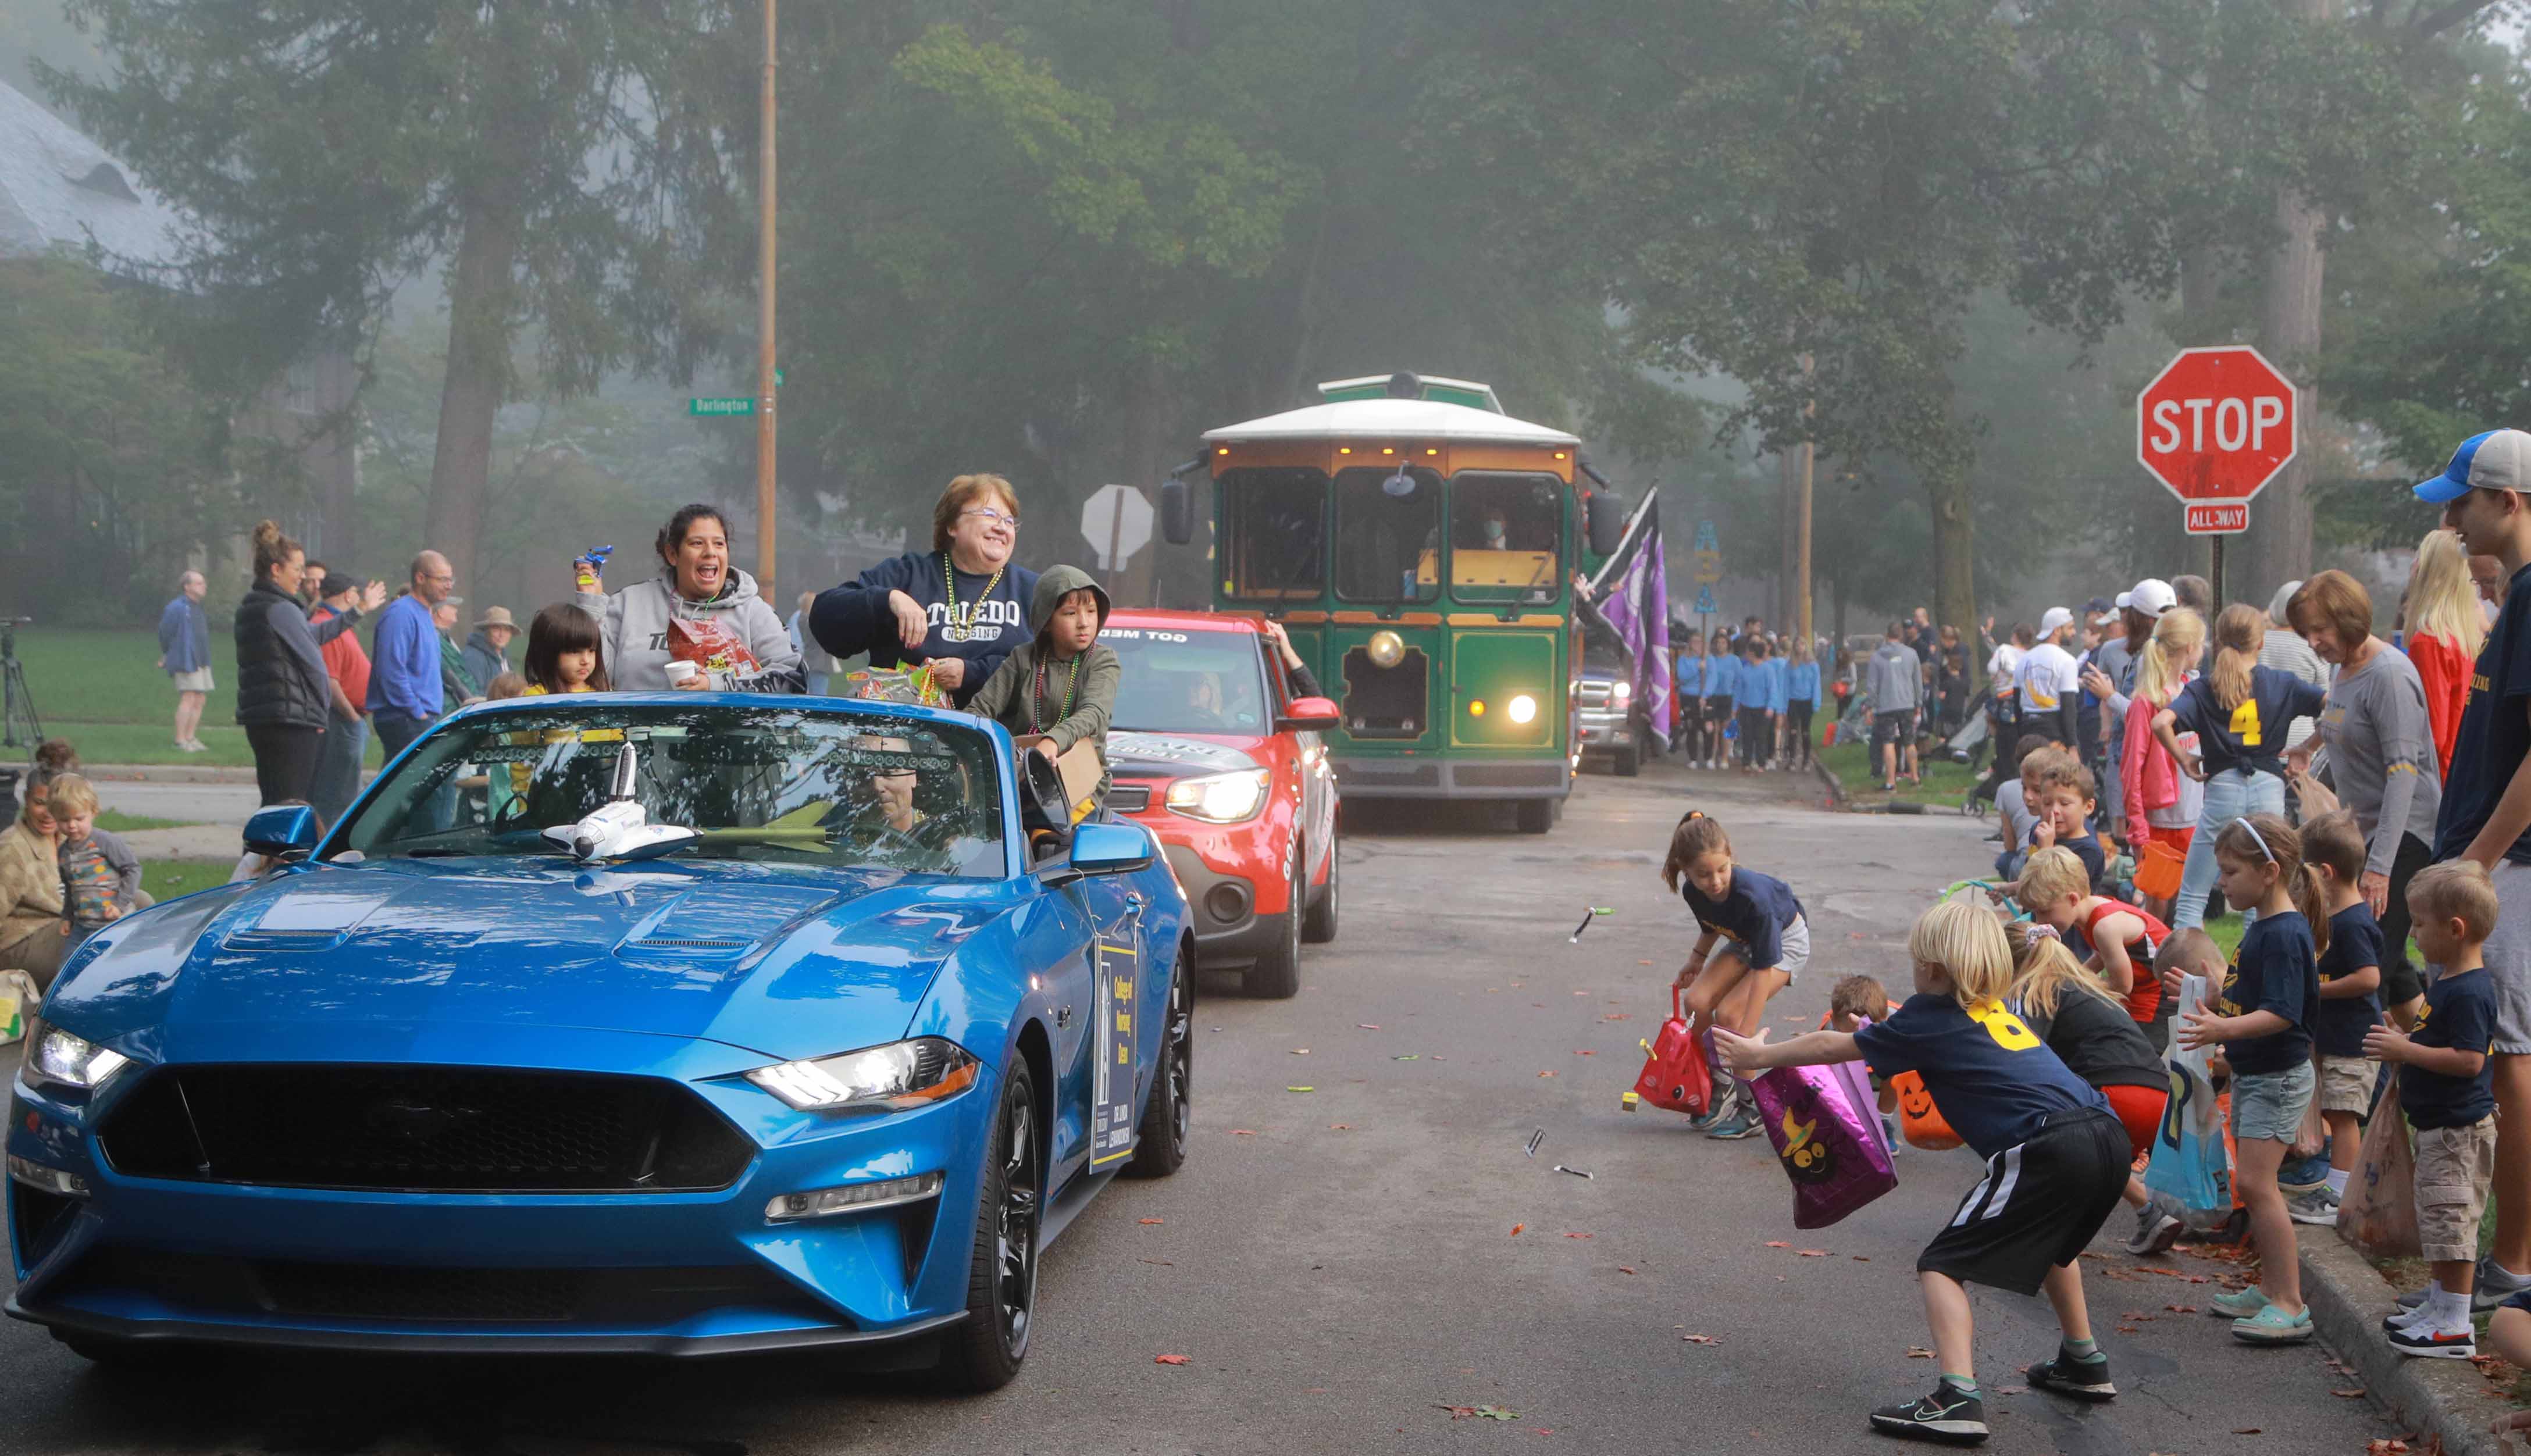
2217,423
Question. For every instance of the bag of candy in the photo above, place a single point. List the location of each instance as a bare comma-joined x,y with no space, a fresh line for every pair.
1827,1133
912,684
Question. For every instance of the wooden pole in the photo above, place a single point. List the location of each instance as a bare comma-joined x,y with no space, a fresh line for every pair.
765,432
1803,572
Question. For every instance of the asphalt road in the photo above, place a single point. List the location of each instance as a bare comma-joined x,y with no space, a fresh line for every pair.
1340,1265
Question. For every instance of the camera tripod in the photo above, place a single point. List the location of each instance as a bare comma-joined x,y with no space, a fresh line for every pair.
19,728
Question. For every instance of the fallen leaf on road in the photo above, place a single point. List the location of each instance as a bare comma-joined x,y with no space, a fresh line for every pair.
1412,1056
1777,1244
1584,1053
2192,1309
2357,1393
1546,1074
1860,1258
1366,1025
1163,1263
1811,1252
1854,935
1241,1133
1918,1352
1516,1228
1340,1127
1300,1051
1300,1088
1585,993
1625,1268
1150,1220
1168,1360
2012,1390
2127,1329
1620,1015
1701,1339
2385,1446
1797,1020
2246,1431
1643,963
1571,1235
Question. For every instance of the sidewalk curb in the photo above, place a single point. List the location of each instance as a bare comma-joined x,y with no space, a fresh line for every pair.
167,773
1835,790
2347,1298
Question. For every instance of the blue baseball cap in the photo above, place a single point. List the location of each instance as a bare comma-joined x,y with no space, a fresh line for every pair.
2491,459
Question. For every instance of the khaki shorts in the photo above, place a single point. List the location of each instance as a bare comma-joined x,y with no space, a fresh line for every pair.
2455,1166
2346,1084
196,681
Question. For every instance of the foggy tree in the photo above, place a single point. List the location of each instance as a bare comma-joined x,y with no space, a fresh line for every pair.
548,156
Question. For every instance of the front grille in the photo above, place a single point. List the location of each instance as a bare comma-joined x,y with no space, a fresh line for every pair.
1385,701
421,1130
220,1285
1547,775
1372,772
1129,798
1594,693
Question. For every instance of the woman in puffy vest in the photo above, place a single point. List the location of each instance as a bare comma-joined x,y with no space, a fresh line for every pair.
284,698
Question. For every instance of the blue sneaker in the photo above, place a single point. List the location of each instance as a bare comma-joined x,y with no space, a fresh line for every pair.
2303,1174
1739,1124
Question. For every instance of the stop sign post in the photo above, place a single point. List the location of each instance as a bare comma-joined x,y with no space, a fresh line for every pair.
2214,426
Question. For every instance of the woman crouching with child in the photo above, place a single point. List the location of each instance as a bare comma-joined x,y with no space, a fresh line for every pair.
2056,1160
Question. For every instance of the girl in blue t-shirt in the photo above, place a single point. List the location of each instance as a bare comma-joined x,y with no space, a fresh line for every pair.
1752,940
2055,1158
2239,712
2263,1018
1801,700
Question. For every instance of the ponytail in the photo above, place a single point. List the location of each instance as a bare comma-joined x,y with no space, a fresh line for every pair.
271,548
1695,837
2238,635
2043,969
2267,837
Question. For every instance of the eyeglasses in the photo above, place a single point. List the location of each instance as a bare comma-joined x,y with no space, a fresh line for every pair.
992,517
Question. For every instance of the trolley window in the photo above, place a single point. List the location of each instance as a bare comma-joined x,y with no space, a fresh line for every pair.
1389,534
1506,536
1274,534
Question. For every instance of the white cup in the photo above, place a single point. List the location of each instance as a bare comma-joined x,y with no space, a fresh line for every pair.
681,672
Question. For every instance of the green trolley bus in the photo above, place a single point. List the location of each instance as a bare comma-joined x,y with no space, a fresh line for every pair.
1420,546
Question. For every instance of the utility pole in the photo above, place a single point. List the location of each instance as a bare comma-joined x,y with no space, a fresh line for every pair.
1802,547
766,432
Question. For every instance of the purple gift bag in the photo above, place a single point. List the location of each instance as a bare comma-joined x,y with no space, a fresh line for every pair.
1827,1132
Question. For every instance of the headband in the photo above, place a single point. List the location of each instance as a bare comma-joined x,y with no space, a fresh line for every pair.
2258,839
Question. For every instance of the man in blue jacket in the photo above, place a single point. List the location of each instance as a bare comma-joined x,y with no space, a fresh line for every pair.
404,664
185,654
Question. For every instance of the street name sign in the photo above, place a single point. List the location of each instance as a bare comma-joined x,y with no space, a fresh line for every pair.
727,405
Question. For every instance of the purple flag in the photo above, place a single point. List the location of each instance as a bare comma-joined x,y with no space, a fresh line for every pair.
1631,594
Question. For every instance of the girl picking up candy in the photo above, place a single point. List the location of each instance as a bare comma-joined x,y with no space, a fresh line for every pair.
2056,1160
1753,940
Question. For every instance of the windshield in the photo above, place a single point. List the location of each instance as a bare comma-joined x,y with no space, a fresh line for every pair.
1274,534
1506,533
1188,681
831,789
1389,534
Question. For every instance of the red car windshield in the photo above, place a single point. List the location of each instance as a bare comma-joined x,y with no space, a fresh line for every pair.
1189,682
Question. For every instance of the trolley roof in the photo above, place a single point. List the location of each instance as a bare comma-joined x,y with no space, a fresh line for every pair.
1392,419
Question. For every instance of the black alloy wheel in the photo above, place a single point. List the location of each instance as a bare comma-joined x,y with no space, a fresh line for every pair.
1163,1140
985,1351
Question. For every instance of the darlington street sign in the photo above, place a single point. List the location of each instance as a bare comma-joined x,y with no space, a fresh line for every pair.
2214,426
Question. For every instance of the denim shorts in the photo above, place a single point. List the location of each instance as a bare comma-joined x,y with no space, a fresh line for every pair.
2270,1104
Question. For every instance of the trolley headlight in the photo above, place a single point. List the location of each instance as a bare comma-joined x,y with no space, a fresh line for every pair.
1221,798
877,1079
69,1059
1387,649
1524,708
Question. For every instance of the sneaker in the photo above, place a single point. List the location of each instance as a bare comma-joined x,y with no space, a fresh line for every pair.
2157,1224
2319,1206
2426,1342
2240,1304
1946,1416
2066,1375
2274,1327
1740,1124
1714,1113
2493,1287
2303,1174
2406,1315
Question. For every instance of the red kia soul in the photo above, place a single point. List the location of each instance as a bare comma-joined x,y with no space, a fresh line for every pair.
1212,749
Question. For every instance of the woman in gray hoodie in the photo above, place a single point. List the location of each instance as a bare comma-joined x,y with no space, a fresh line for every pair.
673,615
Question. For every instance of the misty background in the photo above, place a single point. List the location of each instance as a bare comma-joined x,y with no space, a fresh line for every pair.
442,274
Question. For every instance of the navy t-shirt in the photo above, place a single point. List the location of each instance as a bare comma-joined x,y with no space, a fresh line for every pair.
1754,912
1990,1077
2095,860
2338,1026
2495,730
2460,1011
2275,971
2252,734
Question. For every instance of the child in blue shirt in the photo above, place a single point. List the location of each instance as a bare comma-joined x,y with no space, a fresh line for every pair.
1801,700
2448,1088
1752,940
1693,674
1721,695
2263,1020
2056,1160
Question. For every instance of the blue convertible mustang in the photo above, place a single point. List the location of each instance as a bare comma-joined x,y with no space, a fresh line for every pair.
681,1024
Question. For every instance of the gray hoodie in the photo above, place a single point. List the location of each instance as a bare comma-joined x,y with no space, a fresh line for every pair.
634,622
1065,706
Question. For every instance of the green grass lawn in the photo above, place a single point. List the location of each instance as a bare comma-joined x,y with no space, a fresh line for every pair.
101,688
118,822
1945,783
165,880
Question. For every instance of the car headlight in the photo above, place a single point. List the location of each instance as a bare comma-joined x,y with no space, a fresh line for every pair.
1524,708
1620,691
878,1079
1221,798
70,1059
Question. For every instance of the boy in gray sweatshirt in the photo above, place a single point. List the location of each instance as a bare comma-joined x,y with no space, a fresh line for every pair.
1062,683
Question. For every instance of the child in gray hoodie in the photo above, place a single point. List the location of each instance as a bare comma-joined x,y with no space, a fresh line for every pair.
1061,683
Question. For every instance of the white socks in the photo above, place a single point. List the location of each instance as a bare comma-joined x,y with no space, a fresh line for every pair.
2445,1312
2337,1182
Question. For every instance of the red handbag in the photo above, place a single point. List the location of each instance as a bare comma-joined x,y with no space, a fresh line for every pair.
1674,1073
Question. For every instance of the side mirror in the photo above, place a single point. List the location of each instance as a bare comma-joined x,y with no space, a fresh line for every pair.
1607,522
285,831
1304,714
1177,511
1110,849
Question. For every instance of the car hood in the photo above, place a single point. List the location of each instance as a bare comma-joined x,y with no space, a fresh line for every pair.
1139,754
774,959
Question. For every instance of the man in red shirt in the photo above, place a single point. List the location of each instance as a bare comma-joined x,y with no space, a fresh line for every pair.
347,734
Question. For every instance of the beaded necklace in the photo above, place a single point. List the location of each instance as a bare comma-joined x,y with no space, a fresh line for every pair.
952,630
1071,681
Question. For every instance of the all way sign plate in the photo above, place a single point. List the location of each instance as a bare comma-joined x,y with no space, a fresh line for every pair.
2217,517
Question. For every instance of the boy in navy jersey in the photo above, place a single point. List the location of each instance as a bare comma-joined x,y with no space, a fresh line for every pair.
2350,978
2446,1089
2056,1160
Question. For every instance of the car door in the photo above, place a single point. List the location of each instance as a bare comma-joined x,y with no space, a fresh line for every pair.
1315,814
1107,1060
